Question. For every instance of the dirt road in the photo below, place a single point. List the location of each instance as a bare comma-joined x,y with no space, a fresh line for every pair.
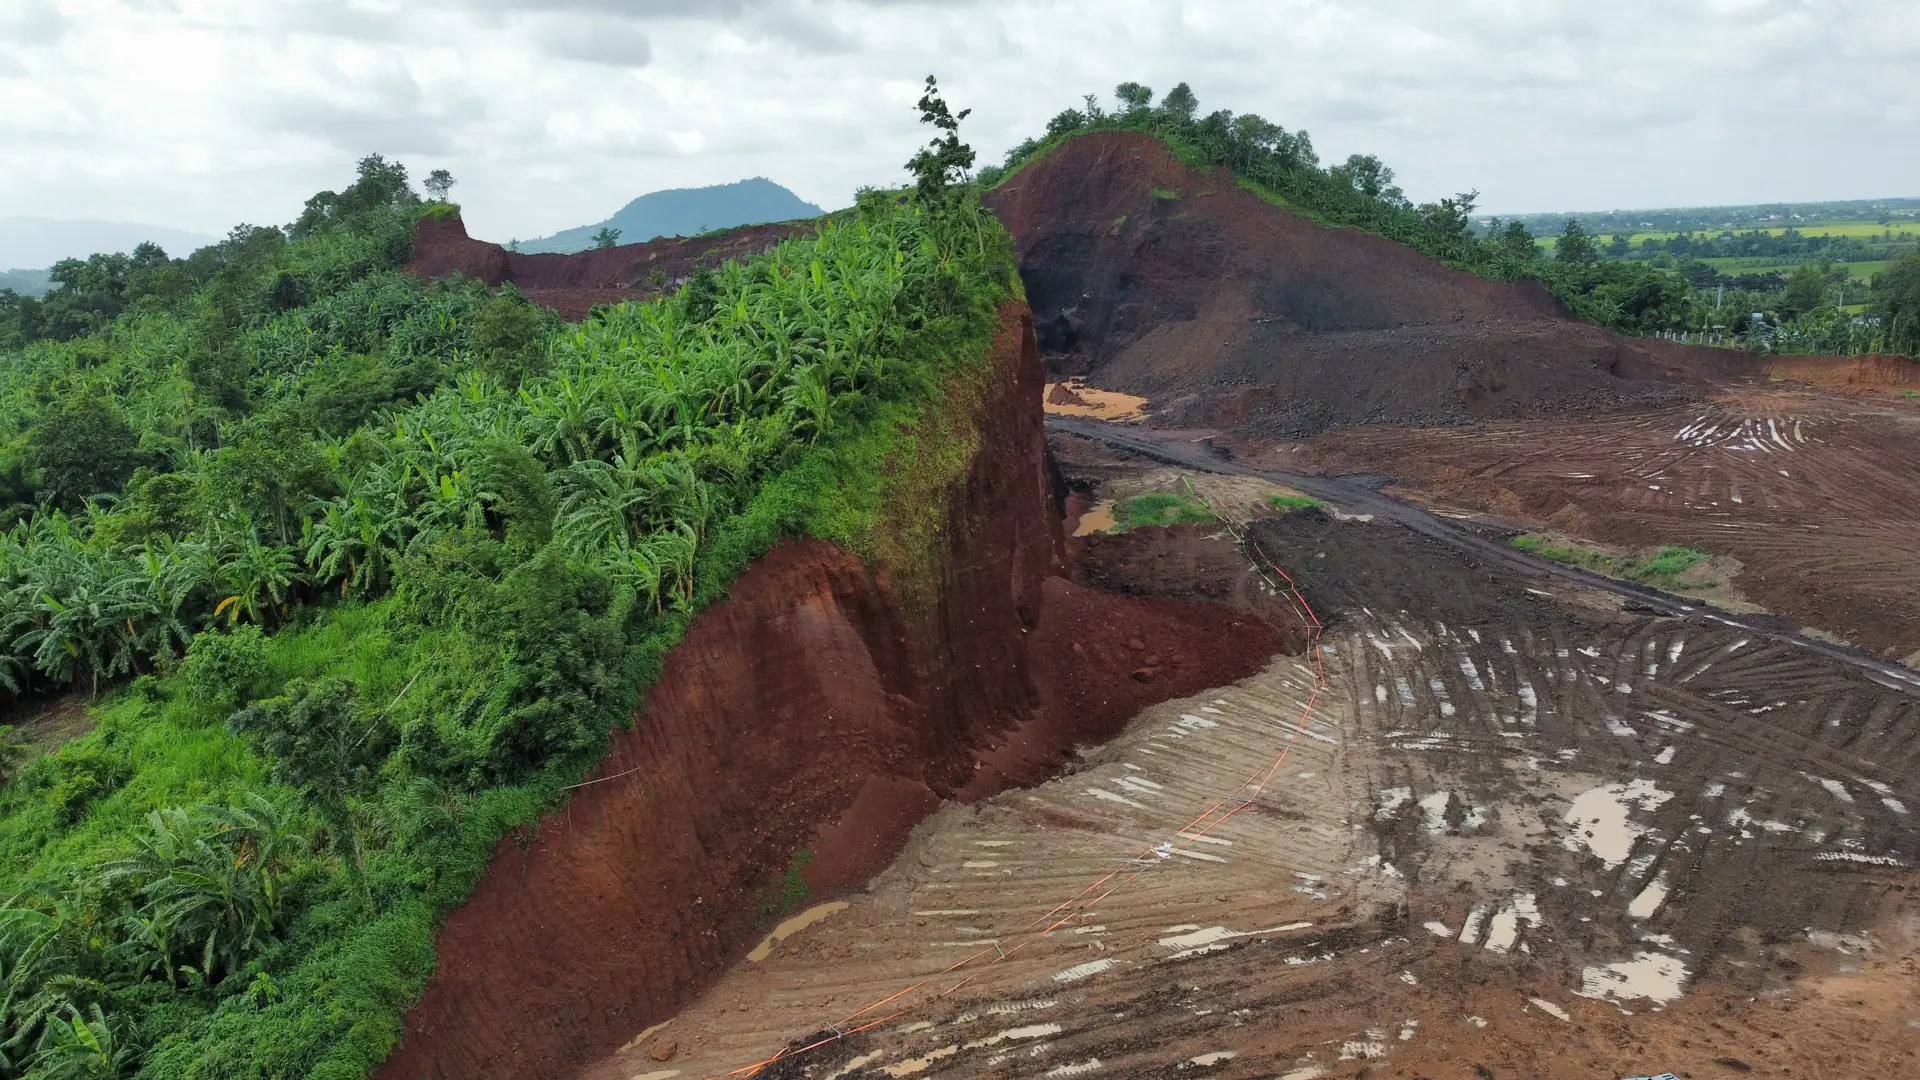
1362,495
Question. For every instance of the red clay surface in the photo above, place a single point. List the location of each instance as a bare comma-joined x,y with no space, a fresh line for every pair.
1229,312
1815,494
573,284
808,712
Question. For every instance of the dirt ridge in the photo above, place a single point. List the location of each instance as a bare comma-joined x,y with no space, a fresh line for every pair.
573,284
1156,278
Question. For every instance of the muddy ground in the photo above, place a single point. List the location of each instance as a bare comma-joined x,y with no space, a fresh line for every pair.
1811,491
1504,831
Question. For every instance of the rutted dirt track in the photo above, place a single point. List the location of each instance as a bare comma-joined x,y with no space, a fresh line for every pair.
1534,834
1813,493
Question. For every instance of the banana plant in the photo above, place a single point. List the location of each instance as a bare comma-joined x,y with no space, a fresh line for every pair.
256,576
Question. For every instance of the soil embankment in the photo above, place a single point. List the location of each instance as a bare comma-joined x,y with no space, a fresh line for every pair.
813,712
1503,830
572,284
1149,276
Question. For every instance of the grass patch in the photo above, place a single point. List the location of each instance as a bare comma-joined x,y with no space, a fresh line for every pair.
782,895
1160,508
1663,569
1164,193
1295,502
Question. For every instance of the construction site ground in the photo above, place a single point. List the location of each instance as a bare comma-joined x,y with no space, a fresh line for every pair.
1483,829
1812,492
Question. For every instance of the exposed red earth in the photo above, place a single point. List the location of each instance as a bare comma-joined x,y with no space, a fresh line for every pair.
1512,831
572,284
1152,277
810,712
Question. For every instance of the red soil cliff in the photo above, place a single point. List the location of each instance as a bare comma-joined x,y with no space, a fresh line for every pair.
572,284
808,711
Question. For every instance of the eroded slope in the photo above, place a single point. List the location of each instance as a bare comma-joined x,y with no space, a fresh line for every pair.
1152,277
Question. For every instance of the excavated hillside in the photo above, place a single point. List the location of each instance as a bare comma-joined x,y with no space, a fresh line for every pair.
572,284
820,710
1149,276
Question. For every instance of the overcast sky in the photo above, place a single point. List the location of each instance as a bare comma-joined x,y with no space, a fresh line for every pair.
198,114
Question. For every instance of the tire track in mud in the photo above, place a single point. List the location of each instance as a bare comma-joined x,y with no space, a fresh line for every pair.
1360,496
1513,817
1809,493
973,876
1638,789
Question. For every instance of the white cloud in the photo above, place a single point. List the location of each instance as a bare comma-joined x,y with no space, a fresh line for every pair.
201,113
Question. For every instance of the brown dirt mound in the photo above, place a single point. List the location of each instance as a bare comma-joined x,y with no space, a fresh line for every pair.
573,284
1150,276
810,711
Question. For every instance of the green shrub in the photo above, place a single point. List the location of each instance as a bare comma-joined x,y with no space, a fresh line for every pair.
224,671
1161,508
1663,569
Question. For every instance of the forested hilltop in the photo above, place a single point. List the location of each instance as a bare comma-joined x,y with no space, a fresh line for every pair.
1805,312
369,568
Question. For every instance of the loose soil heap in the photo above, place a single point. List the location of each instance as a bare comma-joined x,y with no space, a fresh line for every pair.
1152,277
572,284
814,711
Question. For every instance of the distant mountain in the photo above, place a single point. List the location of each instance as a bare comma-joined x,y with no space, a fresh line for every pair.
26,282
41,242
686,212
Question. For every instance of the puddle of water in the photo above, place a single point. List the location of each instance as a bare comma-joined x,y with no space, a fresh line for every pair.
1649,900
1034,1031
1098,519
1075,398
1601,825
1550,1009
921,1064
793,926
857,1063
1083,971
1651,975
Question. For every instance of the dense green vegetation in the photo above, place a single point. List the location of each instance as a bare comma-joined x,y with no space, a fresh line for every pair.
1647,295
1664,568
387,562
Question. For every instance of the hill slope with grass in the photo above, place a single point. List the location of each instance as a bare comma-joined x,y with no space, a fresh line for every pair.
368,570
